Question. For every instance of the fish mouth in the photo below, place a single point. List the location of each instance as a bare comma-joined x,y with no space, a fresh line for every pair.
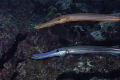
56,52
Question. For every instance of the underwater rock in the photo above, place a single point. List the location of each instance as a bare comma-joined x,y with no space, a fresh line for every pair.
80,27
82,7
52,13
63,4
97,35
105,25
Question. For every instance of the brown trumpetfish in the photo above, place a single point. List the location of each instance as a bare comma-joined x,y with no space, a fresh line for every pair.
79,17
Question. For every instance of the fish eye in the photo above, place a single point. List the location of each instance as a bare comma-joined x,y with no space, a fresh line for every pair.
58,19
57,51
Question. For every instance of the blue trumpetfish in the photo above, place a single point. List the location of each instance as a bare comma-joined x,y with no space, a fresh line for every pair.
78,50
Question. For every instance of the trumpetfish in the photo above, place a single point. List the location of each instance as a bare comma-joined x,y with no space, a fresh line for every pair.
77,50
79,17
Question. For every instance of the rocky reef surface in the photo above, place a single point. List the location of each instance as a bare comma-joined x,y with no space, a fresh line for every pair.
19,40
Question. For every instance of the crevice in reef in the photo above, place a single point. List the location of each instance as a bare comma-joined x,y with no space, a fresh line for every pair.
10,54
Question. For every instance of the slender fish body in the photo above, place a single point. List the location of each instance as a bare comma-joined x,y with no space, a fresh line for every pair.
77,50
94,17
79,17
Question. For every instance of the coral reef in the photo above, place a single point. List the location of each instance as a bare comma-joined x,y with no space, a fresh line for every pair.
17,19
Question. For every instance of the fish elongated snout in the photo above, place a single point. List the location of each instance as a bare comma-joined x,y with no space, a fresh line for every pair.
53,53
